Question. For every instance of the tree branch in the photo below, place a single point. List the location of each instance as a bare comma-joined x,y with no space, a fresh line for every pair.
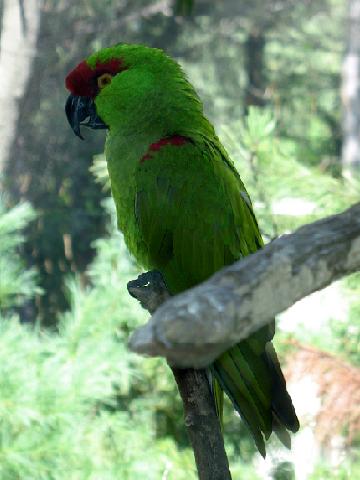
195,327
201,419
202,424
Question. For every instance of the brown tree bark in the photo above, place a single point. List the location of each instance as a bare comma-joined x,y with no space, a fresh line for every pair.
202,424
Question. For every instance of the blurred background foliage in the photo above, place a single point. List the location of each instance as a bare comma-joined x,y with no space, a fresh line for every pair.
74,403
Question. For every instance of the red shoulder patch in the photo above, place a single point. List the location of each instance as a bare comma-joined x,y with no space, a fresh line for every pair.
176,140
82,80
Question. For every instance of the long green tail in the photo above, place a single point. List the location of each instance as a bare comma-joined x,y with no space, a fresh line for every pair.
250,374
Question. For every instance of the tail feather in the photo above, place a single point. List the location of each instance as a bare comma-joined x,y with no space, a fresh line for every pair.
257,365
281,432
218,394
250,374
242,406
262,403
242,390
281,400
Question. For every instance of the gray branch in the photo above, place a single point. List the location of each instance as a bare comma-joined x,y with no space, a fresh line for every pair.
195,327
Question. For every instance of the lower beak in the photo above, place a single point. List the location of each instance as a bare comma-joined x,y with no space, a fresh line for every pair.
82,111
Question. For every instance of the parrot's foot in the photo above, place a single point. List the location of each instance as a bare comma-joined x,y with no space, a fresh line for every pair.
149,289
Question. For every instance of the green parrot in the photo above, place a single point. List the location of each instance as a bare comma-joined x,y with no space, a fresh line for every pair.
181,205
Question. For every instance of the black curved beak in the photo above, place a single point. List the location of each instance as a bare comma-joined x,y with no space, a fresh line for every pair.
82,111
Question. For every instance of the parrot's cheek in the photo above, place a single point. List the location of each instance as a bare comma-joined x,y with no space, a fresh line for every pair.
82,111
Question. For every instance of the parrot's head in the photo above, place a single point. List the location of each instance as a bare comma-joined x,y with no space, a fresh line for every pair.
130,87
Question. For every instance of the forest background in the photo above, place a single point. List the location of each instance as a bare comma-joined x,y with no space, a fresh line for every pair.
74,402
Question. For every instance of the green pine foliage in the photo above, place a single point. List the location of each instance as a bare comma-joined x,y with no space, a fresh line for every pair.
76,404
16,283
56,420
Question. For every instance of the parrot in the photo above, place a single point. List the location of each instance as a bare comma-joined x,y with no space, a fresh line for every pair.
181,206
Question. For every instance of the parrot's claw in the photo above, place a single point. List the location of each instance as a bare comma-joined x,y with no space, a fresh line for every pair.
149,289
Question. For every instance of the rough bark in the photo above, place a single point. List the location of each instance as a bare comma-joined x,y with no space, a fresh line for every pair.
195,327
351,95
19,33
202,424
201,420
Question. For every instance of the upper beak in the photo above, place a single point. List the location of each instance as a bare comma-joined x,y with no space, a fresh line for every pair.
78,109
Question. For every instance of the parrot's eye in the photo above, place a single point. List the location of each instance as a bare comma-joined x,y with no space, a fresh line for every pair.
104,80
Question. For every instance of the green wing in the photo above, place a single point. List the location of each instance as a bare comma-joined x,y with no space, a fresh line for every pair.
194,216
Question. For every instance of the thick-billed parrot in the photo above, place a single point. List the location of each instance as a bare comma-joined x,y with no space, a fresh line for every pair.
181,204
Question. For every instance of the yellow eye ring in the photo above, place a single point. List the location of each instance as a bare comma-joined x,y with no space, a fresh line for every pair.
104,80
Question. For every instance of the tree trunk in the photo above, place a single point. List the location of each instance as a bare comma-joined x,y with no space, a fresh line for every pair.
19,33
254,64
351,95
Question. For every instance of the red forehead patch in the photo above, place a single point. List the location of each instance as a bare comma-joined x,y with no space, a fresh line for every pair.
82,80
